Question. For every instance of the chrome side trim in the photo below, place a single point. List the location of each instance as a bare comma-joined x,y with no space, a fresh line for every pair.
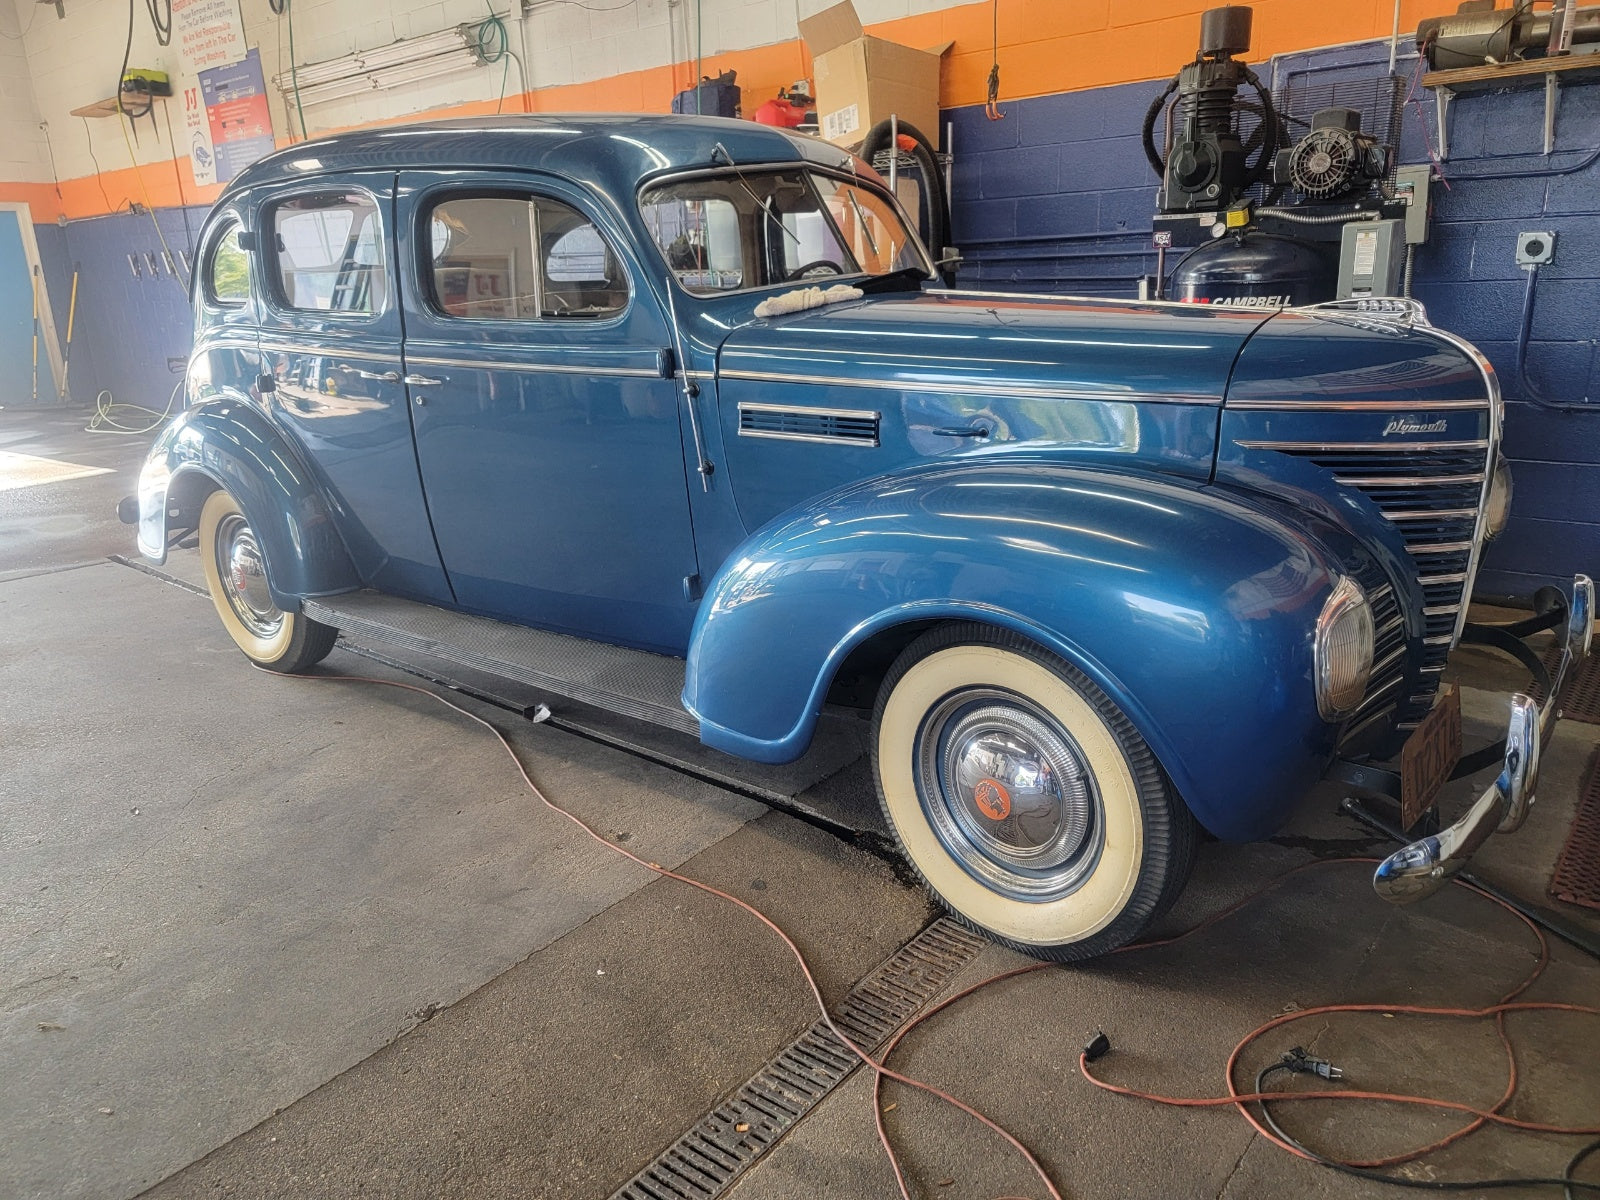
332,350
808,410
1332,447
491,364
996,388
1376,407
1495,432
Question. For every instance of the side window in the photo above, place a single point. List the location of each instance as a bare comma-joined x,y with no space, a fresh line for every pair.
228,273
330,253
522,258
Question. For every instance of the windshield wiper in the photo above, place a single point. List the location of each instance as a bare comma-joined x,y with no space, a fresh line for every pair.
895,281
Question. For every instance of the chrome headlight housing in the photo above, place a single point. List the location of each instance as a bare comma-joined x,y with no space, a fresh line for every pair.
1498,511
1342,651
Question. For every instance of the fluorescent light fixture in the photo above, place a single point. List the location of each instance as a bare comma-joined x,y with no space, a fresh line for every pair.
396,65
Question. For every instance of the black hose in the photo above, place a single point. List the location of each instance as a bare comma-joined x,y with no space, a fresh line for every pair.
1149,127
1524,335
1269,121
935,201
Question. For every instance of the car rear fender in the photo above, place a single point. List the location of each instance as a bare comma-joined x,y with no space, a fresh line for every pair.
229,444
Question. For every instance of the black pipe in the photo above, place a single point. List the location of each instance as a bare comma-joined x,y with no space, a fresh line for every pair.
936,202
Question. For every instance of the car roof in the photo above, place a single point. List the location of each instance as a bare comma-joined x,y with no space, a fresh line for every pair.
616,150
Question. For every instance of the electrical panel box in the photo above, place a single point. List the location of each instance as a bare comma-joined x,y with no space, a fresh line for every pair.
1372,259
1412,182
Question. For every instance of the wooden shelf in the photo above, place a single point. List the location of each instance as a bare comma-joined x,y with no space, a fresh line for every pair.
108,107
1528,68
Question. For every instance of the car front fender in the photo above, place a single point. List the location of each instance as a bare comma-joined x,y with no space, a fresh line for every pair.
230,444
1193,609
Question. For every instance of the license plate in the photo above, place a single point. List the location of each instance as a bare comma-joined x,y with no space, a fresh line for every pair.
1430,754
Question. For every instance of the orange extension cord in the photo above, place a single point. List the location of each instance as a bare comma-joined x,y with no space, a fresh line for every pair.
1235,1098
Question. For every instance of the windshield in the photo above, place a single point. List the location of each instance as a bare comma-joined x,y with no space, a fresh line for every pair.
758,228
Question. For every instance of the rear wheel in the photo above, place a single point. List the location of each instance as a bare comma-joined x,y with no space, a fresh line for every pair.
236,575
1024,797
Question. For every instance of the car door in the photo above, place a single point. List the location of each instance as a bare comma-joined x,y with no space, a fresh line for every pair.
330,339
547,426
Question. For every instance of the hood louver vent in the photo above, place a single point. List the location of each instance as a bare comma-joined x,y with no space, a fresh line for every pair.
857,427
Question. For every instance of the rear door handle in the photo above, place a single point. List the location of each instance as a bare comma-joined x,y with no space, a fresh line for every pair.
421,381
380,376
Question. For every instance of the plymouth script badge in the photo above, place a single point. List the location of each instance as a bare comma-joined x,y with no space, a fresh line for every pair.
1405,425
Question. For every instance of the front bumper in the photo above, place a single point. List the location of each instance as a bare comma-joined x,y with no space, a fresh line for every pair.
1423,867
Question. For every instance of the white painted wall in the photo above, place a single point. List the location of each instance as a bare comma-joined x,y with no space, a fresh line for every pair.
73,62
24,157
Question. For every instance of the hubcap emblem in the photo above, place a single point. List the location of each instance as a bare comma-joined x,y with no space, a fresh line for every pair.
992,799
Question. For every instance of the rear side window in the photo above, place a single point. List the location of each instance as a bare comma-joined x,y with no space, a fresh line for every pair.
522,258
228,273
330,253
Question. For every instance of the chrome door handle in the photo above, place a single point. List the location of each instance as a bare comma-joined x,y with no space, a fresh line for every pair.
421,381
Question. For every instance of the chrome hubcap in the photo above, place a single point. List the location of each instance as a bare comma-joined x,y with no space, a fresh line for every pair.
244,577
1007,792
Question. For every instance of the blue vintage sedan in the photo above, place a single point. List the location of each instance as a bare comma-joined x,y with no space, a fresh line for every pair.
671,415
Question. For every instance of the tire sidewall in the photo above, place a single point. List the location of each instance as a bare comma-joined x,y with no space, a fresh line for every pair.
1125,887
267,652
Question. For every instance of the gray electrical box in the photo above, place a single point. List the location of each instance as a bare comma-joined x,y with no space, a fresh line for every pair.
1372,259
1411,185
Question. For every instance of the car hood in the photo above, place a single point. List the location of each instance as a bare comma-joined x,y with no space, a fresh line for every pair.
982,343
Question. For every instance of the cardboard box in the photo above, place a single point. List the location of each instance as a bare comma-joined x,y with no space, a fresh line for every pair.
860,80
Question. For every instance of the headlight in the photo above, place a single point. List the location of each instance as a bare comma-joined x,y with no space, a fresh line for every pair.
1343,650
1499,510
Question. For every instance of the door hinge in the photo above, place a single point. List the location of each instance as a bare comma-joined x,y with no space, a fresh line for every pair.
692,590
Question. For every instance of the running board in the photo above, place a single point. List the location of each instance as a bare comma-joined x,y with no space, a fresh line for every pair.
631,682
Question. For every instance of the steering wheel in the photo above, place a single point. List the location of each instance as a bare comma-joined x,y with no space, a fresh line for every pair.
817,266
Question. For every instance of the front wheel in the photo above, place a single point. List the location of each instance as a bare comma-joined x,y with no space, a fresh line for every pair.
1024,797
236,575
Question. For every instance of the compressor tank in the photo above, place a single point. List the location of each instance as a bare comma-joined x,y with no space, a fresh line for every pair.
1265,270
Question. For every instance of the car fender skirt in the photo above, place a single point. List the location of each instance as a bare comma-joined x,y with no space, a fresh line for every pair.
1192,609
236,447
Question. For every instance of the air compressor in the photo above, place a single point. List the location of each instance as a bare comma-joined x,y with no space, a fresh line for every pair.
1276,201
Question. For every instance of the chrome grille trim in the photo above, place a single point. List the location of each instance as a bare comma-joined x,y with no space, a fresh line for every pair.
1441,548
1365,481
1442,514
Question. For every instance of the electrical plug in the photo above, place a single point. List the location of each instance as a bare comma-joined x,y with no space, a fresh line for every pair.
1299,1061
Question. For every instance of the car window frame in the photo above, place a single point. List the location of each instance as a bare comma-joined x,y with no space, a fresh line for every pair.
421,266
842,175
272,273
231,222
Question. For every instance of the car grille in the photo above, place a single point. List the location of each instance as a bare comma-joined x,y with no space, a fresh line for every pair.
1431,492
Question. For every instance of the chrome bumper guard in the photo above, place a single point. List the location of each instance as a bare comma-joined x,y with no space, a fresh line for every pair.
1425,866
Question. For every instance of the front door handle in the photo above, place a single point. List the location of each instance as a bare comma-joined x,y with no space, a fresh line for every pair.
421,381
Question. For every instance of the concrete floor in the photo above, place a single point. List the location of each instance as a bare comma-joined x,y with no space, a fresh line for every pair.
264,937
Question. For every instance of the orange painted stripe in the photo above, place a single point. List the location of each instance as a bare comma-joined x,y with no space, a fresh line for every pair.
1045,47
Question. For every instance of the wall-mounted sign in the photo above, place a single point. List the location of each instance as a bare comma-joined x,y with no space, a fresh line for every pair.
209,36
207,33
235,99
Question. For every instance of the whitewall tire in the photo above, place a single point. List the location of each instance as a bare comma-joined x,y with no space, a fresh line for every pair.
236,576
1023,797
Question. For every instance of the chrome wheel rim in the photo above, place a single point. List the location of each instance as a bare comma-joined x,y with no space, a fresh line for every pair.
243,575
1009,794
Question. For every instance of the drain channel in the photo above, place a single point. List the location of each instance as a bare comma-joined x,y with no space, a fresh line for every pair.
734,1135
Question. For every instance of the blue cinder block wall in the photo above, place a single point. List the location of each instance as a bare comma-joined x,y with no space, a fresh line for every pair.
1057,197
131,334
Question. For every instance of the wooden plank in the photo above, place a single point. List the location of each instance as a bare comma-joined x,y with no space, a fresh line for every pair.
108,107
1492,73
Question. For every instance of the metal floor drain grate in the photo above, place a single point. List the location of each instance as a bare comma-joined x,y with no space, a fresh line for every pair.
1582,702
733,1136
1577,875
